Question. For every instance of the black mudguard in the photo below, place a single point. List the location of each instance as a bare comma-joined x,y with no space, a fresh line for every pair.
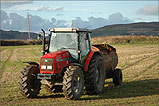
31,63
76,64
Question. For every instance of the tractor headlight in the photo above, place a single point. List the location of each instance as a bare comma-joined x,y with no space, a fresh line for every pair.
46,64
49,67
43,67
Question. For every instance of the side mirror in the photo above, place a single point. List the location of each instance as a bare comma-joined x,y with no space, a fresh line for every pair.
39,36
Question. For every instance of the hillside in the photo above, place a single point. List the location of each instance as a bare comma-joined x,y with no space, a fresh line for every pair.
143,28
16,35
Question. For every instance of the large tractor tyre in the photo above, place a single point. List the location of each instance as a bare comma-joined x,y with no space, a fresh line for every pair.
54,89
117,77
73,82
95,76
29,85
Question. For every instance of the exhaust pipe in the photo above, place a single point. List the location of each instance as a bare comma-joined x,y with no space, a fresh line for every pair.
43,43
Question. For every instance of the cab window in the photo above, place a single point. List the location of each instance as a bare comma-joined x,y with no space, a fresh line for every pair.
84,44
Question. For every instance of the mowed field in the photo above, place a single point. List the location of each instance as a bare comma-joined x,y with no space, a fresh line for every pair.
139,63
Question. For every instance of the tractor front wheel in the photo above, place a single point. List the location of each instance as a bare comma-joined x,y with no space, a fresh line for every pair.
29,85
117,77
73,82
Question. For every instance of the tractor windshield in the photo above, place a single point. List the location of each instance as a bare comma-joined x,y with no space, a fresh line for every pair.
64,42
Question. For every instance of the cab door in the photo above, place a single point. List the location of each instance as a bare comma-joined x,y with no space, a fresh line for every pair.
84,46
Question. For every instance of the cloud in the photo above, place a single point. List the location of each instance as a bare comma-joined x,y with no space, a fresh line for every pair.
39,9
13,21
96,12
4,19
46,8
12,3
92,23
118,18
148,10
4,15
61,9
96,22
17,22
80,23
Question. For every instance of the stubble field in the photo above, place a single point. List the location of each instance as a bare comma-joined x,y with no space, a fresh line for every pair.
139,63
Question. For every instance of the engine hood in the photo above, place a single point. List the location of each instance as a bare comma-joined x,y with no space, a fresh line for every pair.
57,55
59,60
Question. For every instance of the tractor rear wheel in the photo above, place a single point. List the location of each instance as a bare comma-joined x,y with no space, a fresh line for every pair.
117,77
29,85
95,76
73,82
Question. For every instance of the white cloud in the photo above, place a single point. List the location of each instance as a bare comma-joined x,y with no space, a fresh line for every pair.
96,12
47,8
23,8
36,8
118,18
93,22
59,9
12,3
148,10
9,22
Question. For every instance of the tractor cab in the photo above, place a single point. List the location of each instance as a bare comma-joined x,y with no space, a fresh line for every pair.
74,40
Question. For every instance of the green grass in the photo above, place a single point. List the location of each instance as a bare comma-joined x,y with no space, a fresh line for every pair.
139,63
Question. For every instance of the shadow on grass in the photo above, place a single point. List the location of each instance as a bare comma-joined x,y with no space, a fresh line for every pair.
128,89
51,96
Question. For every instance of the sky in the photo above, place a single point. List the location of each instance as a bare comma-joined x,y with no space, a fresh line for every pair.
89,14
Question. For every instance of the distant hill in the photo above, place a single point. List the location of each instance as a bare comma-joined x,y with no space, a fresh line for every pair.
142,28
16,35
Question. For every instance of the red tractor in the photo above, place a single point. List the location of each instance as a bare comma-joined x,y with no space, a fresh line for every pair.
70,64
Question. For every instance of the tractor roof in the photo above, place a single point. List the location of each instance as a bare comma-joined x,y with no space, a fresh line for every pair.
69,30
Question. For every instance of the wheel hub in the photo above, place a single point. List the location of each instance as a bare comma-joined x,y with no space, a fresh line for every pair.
97,75
77,84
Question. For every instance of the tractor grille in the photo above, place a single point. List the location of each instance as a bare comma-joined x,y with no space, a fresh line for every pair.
46,64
